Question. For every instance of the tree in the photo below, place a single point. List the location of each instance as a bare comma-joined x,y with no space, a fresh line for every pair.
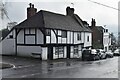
3,33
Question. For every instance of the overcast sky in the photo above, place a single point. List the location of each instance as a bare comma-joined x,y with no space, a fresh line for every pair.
84,8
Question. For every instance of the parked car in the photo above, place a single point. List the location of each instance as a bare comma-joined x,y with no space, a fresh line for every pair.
109,54
90,55
101,53
117,52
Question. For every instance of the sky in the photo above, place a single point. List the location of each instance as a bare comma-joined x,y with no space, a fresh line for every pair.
104,16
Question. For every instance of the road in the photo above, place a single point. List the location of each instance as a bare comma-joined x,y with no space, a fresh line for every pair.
28,68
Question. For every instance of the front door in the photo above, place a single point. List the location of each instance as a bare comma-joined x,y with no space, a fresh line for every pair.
50,53
68,51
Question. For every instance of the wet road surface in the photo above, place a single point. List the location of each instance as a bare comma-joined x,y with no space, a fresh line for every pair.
34,68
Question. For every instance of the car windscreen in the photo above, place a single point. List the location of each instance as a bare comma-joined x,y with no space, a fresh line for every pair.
86,51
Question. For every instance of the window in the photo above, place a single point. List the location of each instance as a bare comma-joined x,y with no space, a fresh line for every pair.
59,33
75,49
64,34
87,38
59,51
48,32
79,36
30,31
10,36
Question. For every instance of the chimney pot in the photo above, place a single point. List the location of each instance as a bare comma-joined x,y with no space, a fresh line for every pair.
33,6
30,5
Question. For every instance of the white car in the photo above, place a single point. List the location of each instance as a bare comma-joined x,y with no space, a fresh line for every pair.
109,54
101,53
117,52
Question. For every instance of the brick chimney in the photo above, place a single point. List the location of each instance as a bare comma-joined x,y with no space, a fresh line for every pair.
93,23
69,11
31,10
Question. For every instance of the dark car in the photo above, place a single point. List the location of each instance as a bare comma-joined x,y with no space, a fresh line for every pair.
90,55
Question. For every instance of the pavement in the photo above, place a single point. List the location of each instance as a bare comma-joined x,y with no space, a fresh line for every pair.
62,68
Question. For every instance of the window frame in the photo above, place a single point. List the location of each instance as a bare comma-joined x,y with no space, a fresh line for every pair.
88,39
64,34
48,32
79,36
29,31
76,49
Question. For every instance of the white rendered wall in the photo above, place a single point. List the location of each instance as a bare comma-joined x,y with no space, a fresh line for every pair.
79,51
71,51
44,53
53,37
39,37
47,39
106,40
68,37
30,39
88,43
20,37
64,40
28,50
71,40
59,40
82,37
8,45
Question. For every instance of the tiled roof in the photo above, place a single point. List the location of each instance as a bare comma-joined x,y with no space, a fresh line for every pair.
100,28
46,19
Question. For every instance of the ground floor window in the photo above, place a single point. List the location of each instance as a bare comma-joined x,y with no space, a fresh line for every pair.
75,49
59,51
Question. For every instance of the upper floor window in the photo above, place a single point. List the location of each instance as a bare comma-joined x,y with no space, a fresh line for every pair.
48,32
64,34
10,36
87,38
30,31
79,36
59,33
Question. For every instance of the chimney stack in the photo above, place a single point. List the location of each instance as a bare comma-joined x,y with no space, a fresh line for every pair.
93,23
31,10
70,11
